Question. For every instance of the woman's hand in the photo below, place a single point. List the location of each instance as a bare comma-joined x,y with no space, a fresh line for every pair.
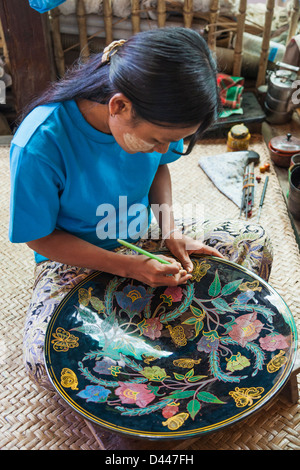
154,273
183,246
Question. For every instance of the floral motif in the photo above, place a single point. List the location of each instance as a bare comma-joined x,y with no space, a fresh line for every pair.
237,362
170,410
200,269
137,394
133,298
154,373
208,342
94,393
273,341
245,396
173,293
246,328
68,379
151,327
106,366
176,421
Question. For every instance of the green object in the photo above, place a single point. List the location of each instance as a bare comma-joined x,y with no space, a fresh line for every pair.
143,252
262,197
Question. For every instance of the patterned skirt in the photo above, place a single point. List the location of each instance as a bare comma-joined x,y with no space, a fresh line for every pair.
241,243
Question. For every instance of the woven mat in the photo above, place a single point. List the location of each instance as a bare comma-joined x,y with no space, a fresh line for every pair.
34,419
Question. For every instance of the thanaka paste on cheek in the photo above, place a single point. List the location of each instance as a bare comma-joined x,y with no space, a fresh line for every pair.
135,144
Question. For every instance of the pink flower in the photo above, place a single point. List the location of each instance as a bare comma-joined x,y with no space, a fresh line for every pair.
170,410
135,394
152,328
174,292
273,342
245,328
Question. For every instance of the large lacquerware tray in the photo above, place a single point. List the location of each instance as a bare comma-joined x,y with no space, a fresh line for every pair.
171,362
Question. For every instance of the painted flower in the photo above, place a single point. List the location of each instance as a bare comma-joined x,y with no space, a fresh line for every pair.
154,373
170,410
245,296
107,366
246,328
133,298
172,293
273,342
208,342
151,327
237,362
132,393
94,393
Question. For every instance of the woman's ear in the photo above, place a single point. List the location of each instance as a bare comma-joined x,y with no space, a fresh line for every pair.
119,105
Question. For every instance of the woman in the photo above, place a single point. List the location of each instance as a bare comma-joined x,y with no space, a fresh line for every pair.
94,149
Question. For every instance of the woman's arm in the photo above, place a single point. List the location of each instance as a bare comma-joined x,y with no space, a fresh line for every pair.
178,244
66,248
160,198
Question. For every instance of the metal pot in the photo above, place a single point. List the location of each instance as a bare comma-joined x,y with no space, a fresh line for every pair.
282,148
278,103
294,192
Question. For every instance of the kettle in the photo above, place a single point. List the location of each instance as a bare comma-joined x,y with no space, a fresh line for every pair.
278,104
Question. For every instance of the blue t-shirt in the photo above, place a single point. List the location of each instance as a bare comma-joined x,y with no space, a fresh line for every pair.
67,175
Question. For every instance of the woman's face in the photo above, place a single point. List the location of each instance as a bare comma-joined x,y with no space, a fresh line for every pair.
136,135
146,137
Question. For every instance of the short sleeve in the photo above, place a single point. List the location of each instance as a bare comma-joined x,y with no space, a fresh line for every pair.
36,183
170,155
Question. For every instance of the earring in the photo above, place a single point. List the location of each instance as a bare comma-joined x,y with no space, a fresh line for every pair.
112,115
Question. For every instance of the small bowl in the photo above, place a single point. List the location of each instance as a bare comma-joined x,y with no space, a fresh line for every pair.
279,158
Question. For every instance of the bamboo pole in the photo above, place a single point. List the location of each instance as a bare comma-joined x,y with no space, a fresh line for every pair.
188,13
238,48
107,16
161,13
262,68
294,21
135,16
57,45
213,16
81,21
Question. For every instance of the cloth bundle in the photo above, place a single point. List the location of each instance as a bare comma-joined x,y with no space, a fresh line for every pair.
231,90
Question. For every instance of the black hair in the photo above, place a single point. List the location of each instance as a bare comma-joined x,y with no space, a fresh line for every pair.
168,74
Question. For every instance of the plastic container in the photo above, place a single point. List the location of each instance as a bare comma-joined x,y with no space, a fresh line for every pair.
238,138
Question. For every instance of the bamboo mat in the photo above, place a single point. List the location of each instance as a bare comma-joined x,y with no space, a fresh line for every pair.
34,419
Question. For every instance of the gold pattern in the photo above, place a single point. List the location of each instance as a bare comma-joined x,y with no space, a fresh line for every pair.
68,379
149,359
85,297
250,286
177,335
186,363
276,362
176,421
134,295
63,340
245,396
199,271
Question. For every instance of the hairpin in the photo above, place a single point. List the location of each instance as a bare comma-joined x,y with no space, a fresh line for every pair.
111,49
